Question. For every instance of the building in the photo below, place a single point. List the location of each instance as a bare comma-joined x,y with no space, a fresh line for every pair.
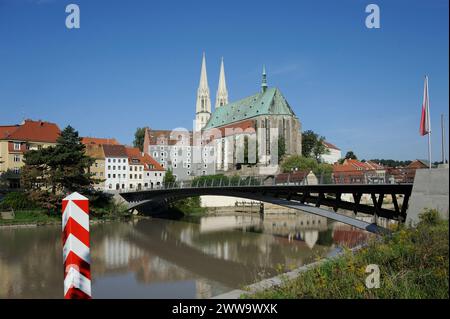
145,172
94,149
332,154
97,168
255,124
231,135
15,140
176,150
116,167
352,171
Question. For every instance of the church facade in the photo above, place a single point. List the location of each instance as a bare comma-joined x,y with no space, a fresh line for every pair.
247,131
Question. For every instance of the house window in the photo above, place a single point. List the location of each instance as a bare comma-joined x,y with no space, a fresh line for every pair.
124,175
101,173
114,160
17,146
114,168
109,161
110,186
140,176
124,168
16,170
175,165
16,158
131,176
155,154
114,175
204,172
109,175
189,172
109,167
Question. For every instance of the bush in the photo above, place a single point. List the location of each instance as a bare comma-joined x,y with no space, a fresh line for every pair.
430,217
17,201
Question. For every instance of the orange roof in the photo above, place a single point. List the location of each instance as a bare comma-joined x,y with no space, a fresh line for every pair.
99,141
6,130
29,130
150,164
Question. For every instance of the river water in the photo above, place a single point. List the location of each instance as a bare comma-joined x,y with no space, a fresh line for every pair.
158,258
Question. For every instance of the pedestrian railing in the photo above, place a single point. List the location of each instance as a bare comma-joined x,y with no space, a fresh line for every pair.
391,176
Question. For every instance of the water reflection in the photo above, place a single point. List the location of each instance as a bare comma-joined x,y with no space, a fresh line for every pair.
159,258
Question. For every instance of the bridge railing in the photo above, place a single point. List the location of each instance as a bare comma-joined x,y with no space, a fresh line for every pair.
388,176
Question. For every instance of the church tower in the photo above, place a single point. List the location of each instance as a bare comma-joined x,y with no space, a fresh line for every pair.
222,93
203,107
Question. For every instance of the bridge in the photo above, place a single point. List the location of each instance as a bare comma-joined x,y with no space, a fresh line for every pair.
293,194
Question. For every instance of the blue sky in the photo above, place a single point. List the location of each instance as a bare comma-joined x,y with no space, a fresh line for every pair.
137,63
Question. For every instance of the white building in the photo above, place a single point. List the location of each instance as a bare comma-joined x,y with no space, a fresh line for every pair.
116,167
333,155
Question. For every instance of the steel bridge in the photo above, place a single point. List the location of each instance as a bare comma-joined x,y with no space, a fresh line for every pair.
296,195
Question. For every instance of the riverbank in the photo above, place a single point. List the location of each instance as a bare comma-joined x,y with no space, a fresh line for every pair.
30,218
413,263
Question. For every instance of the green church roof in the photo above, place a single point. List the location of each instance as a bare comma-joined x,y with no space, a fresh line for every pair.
269,102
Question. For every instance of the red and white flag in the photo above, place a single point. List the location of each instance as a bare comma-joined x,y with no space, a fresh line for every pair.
425,118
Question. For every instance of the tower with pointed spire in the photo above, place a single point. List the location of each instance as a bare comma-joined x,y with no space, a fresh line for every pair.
222,92
264,80
203,106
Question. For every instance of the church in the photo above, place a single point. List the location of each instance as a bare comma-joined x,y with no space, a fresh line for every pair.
247,131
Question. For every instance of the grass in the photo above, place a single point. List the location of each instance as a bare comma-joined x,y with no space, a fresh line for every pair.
35,216
413,263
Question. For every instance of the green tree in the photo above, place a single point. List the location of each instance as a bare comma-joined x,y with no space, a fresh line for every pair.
297,162
52,172
350,155
169,178
313,145
139,136
281,148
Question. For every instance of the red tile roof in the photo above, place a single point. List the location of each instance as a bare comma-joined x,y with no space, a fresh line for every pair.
150,164
33,131
99,141
6,130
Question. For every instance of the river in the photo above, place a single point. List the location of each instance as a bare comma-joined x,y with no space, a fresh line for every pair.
159,258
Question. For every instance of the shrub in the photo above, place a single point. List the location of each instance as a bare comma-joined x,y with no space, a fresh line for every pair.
17,201
430,217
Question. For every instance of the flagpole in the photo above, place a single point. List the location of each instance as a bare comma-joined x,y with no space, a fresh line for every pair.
429,124
444,159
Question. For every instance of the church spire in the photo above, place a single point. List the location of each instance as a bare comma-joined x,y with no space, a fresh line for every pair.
203,106
264,80
222,93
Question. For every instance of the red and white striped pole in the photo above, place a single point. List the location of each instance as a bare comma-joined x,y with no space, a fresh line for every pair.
76,247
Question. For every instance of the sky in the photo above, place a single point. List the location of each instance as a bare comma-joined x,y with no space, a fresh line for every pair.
136,63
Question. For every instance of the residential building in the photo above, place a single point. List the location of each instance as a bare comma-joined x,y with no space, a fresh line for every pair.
332,154
16,140
97,168
116,167
352,171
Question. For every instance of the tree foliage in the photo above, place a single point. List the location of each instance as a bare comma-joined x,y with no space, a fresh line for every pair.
350,155
51,173
139,136
313,145
301,163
